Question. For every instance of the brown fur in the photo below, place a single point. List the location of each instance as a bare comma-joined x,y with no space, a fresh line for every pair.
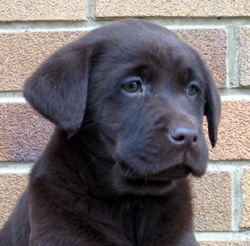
114,172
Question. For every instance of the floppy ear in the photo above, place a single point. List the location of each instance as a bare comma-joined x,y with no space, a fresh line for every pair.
58,88
212,108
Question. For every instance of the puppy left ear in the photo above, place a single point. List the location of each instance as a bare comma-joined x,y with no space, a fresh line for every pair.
58,88
212,108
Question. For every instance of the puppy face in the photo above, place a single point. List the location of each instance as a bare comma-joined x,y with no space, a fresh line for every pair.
153,87
147,94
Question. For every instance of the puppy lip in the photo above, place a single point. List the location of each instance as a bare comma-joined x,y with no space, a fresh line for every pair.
198,173
176,172
141,182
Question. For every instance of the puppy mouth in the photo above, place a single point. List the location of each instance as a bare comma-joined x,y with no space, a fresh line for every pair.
154,184
145,184
179,171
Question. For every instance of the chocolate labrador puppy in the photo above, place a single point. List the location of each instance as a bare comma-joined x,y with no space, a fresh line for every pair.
128,101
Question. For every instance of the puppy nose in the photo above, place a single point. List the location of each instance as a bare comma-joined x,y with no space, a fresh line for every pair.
184,136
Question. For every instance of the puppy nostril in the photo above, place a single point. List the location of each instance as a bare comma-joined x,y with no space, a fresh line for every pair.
183,136
178,138
195,139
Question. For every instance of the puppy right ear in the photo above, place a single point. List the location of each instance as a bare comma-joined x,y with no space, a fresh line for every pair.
58,88
212,108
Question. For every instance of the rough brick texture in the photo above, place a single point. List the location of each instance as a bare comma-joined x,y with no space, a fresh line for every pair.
211,44
245,222
212,202
174,8
29,10
244,67
225,244
23,133
11,187
23,52
234,135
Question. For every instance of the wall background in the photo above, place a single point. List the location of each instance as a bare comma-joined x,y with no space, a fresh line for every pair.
30,30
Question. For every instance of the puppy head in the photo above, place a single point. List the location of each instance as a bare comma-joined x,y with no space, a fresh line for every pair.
146,92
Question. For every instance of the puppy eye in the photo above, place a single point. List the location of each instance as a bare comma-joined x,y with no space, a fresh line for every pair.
192,89
132,86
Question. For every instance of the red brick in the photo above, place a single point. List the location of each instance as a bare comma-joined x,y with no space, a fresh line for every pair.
234,135
23,133
173,8
212,201
30,10
21,53
11,187
211,44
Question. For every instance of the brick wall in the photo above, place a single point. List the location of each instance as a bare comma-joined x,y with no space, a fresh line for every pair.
30,30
